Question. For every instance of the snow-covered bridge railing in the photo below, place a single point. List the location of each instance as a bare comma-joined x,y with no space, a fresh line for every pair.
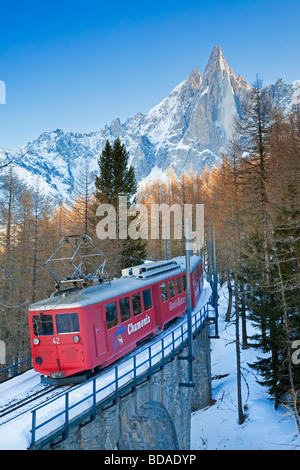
15,369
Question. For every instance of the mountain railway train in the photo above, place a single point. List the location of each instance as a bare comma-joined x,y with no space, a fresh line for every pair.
79,331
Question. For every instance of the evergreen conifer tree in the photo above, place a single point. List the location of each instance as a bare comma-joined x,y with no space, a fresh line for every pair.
117,179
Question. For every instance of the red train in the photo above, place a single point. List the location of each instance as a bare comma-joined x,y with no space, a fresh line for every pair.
79,331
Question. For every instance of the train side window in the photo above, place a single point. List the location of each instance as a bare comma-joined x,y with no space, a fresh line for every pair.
147,299
164,292
67,323
172,288
179,285
137,304
42,325
111,315
184,282
125,309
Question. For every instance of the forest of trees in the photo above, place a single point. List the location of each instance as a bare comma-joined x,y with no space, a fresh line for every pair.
253,200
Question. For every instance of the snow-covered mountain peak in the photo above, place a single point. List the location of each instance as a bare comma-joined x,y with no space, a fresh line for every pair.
195,78
190,128
242,82
216,63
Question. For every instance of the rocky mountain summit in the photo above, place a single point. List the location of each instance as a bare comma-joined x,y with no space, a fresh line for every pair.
188,129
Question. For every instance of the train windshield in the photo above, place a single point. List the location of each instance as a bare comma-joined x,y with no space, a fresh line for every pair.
42,324
67,323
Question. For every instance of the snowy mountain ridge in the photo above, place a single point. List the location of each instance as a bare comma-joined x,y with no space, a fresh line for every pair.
187,130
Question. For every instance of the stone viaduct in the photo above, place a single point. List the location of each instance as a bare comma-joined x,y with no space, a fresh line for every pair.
155,414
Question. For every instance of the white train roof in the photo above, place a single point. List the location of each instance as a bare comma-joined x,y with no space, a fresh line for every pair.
137,277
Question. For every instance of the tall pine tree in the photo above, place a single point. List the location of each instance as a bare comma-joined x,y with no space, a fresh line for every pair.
117,179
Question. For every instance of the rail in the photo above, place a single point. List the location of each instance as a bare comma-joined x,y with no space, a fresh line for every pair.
53,419
14,369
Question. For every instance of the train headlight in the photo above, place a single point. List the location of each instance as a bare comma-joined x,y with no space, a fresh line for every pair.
75,339
36,341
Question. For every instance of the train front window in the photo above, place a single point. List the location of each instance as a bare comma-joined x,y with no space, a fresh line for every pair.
42,325
111,315
67,323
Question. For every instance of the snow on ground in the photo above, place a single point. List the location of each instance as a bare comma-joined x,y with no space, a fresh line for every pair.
216,427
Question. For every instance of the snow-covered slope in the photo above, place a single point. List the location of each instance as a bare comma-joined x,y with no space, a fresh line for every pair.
216,427
188,129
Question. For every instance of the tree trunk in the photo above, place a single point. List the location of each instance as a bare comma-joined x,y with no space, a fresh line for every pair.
241,417
229,308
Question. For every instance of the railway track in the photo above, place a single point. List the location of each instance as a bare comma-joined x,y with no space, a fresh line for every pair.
24,405
18,407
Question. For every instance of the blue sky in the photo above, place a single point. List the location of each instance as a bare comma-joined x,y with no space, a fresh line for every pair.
78,65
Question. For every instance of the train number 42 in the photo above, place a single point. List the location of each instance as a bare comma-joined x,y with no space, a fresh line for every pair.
56,340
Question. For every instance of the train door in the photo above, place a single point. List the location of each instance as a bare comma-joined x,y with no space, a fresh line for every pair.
157,305
100,333
69,350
